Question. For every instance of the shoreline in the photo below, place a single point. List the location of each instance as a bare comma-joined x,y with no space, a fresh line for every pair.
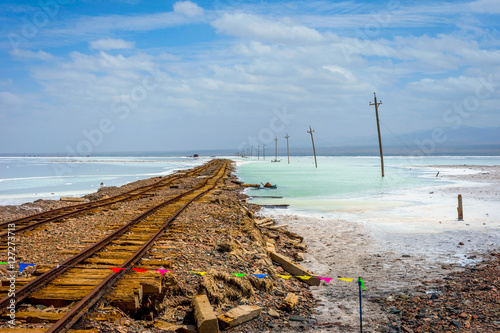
389,266
392,257
216,235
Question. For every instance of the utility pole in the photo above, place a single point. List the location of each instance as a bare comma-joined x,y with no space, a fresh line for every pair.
258,152
287,148
251,152
314,149
263,151
276,150
378,130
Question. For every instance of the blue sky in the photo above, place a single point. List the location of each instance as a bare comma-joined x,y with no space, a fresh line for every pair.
80,77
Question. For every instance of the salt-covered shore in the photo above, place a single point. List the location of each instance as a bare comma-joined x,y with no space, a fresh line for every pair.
396,248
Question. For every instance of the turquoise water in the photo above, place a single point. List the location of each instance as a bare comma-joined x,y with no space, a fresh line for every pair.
339,183
25,179
344,183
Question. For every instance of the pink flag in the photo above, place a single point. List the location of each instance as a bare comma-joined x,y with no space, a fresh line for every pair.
327,279
163,271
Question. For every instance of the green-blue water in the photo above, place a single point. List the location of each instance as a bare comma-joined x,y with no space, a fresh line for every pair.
344,183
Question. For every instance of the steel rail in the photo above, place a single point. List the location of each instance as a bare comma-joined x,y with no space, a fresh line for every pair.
89,204
44,279
72,316
80,209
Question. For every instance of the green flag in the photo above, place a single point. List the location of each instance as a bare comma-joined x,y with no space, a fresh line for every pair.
360,281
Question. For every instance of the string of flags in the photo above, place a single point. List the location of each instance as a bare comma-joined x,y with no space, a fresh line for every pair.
23,266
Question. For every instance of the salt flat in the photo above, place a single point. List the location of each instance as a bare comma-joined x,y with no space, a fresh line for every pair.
397,246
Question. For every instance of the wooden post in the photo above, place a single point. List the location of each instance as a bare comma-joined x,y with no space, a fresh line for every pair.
378,130
263,151
460,208
314,149
204,315
276,149
258,152
287,148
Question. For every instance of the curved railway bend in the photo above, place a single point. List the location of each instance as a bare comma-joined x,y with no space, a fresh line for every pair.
195,220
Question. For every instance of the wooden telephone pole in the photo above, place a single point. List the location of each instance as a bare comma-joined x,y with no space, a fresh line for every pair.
314,149
378,130
263,151
258,152
287,148
276,150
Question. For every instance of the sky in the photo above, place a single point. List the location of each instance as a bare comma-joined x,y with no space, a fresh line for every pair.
84,77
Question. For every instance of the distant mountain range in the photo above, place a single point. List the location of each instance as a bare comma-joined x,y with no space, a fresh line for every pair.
442,141
446,141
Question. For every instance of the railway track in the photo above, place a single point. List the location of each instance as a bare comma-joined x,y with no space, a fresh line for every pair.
36,220
86,277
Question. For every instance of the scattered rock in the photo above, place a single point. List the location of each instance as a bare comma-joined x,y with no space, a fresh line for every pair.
299,256
238,316
291,301
273,313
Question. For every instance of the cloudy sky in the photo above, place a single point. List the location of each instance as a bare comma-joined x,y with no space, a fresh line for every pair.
81,77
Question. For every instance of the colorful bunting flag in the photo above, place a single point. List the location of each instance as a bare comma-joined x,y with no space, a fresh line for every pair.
116,269
361,283
140,270
23,266
163,271
260,276
326,279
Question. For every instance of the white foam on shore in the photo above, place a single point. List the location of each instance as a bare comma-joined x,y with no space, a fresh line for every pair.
394,240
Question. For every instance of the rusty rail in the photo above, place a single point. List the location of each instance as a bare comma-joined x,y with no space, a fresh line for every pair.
44,279
82,208
71,317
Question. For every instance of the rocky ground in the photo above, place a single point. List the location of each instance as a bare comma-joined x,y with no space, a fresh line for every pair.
466,301
217,235
405,291
403,249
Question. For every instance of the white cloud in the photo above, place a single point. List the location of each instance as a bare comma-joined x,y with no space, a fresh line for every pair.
28,54
342,71
188,8
102,25
256,27
111,44
10,99
485,6
104,62
322,76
